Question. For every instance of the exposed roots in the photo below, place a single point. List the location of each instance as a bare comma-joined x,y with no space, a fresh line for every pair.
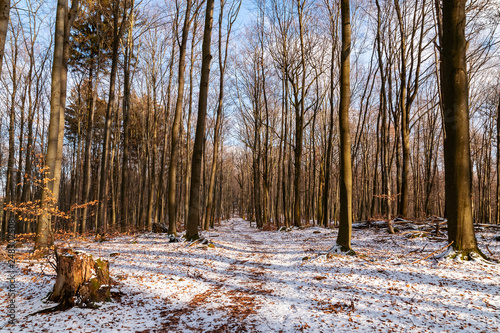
339,249
466,255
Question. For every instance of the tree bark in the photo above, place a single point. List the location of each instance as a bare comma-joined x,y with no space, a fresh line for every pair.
194,197
10,186
174,152
329,141
126,125
103,186
43,233
345,221
455,94
80,280
498,163
4,24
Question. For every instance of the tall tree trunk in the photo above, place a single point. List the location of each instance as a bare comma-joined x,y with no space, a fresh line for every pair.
498,163
161,183
385,125
89,136
68,22
299,119
329,141
10,187
103,186
405,126
43,232
4,24
194,197
345,221
126,125
176,126
455,95
222,66
188,125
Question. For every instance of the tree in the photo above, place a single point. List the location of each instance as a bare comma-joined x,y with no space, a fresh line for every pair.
233,13
345,222
89,54
176,126
103,188
194,196
455,104
4,23
129,48
333,17
10,186
43,232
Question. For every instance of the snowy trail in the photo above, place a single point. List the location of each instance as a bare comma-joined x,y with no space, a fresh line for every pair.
268,281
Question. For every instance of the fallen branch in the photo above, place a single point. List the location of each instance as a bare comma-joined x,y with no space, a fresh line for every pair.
441,249
494,226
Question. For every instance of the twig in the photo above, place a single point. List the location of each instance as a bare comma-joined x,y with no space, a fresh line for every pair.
417,250
487,248
441,249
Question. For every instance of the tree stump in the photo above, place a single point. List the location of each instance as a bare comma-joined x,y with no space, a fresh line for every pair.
80,280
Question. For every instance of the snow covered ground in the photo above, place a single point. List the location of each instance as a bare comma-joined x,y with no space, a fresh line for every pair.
269,281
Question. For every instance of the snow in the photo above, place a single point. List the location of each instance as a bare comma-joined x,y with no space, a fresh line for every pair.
269,281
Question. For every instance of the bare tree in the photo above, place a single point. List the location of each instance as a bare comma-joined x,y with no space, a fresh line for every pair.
454,89
176,126
345,222
194,196
4,23
43,232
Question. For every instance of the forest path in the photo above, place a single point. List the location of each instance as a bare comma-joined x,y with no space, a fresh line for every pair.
256,280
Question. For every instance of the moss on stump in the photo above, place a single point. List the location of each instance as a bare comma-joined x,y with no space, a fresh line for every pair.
80,281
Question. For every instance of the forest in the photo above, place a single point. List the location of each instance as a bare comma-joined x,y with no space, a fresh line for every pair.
243,142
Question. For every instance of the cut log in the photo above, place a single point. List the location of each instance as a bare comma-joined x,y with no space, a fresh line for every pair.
80,281
159,228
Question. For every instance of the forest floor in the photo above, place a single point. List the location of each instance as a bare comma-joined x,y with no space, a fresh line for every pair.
270,281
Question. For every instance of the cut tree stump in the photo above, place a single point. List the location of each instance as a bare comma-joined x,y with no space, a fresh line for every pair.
80,281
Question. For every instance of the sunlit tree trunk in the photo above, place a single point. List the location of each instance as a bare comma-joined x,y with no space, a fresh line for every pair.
44,231
176,126
194,197
345,221
4,24
103,186
124,210
68,22
455,94
10,186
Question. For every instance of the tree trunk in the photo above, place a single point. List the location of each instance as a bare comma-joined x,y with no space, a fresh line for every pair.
103,186
87,164
329,143
43,233
161,183
345,221
188,125
498,163
10,186
194,197
4,24
126,125
174,153
455,94
68,22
